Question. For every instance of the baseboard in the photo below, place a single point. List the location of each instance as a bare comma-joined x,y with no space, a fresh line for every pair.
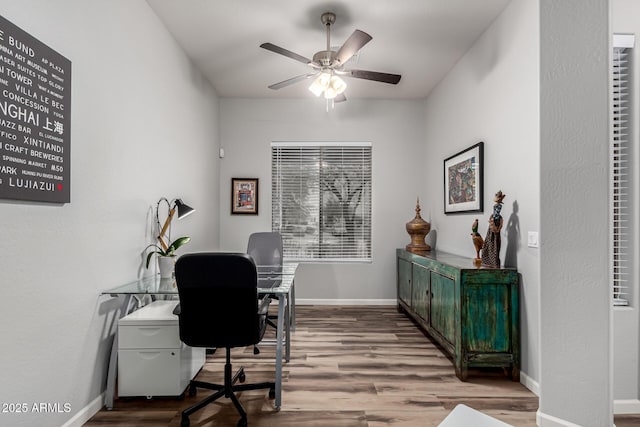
85,414
544,420
530,383
311,301
626,406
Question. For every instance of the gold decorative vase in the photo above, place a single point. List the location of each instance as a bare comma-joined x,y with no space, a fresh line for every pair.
418,229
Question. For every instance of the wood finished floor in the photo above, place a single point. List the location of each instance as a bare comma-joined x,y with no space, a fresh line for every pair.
350,367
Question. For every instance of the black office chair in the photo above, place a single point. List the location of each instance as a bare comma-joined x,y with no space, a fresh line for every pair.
219,309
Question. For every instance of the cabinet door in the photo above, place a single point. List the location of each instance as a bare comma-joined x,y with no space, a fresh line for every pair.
442,306
404,281
420,291
487,318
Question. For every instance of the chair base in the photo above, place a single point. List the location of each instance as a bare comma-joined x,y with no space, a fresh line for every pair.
228,389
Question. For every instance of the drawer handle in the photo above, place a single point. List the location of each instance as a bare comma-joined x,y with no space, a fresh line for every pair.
149,355
150,331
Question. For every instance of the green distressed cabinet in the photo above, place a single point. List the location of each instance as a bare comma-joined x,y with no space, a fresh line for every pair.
471,312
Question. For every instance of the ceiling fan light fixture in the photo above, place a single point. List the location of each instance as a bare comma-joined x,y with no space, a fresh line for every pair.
328,84
338,84
330,93
320,84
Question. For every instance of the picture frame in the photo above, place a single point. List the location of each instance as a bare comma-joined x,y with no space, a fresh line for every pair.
463,181
244,196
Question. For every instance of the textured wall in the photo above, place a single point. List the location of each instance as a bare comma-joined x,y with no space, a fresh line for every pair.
141,116
575,309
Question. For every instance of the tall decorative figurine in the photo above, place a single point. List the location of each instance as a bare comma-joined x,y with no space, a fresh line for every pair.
477,242
418,228
491,247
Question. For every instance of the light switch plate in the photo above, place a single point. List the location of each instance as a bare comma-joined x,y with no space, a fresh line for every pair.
532,239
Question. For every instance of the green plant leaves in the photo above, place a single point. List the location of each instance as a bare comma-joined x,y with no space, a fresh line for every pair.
176,244
173,247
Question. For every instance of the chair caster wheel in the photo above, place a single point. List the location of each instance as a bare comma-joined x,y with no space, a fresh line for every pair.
256,350
242,378
184,422
272,393
242,422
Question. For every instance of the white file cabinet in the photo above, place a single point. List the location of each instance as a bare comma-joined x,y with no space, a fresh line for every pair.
152,361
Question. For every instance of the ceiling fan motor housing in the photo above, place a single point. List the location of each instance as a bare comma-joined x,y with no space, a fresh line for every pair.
324,57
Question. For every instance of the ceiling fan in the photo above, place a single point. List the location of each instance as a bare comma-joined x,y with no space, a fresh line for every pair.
328,65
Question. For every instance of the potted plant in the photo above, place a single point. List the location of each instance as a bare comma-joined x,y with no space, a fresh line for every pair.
166,258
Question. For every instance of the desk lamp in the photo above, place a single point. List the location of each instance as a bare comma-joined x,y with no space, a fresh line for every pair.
183,210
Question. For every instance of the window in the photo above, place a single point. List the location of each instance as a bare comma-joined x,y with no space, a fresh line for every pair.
321,200
620,169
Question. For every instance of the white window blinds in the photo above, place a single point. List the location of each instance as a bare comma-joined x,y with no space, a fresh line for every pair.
620,169
321,200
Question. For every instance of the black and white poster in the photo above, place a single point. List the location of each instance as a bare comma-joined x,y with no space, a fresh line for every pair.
35,113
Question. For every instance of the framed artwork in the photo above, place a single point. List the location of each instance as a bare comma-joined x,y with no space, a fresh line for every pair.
244,196
463,181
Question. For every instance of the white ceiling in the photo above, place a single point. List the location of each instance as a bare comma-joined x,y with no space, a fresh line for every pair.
419,39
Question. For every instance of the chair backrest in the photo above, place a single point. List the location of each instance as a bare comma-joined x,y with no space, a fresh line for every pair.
218,300
266,250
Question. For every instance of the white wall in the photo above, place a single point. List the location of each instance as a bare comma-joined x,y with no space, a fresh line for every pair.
394,128
143,125
626,320
575,294
491,95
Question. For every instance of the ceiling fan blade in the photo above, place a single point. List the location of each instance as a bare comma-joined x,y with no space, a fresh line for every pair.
282,51
291,81
353,44
374,75
340,98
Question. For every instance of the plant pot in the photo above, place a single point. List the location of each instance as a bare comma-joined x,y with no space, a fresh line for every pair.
166,264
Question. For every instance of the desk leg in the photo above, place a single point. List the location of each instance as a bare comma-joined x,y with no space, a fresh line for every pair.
287,328
287,332
292,308
112,373
279,337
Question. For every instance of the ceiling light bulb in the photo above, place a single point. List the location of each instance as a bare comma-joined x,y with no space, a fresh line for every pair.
324,79
315,88
330,93
338,85
320,84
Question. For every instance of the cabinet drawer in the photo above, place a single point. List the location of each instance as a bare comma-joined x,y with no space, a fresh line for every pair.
148,336
150,373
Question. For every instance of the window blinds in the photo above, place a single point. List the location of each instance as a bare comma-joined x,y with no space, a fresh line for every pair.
321,200
620,172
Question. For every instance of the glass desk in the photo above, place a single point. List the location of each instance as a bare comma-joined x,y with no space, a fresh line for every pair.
272,280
